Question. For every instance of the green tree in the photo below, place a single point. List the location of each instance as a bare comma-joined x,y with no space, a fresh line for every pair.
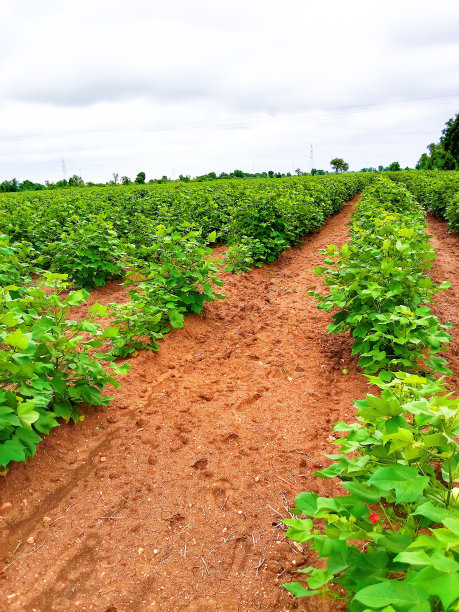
30,186
76,181
443,155
140,178
450,138
438,159
339,165
394,167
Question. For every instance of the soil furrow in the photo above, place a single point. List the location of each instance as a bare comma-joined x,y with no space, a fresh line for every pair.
446,303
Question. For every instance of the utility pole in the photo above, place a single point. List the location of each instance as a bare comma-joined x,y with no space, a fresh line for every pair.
311,158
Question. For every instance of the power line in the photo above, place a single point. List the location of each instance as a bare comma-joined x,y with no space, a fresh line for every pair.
241,122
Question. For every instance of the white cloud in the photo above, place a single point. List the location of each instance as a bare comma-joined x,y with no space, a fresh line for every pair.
196,86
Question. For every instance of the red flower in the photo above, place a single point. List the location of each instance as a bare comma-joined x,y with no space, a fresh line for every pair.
420,363
374,518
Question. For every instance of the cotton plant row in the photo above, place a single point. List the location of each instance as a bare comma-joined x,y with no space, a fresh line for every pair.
391,543
378,286
437,191
87,234
46,367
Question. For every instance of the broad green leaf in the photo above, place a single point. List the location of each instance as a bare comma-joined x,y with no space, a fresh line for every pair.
406,481
362,491
435,513
27,414
445,585
306,503
416,557
121,369
29,439
11,450
300,529
8,418
75,298
110,332
17,340
401,595
318,578
176,318
98,309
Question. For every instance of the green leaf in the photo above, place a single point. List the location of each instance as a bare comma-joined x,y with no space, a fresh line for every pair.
435,513
8,418
11,450
435,440
401,595
46,422
27,414
452,523
438,364
58,384
176,318
362,491
417,557
121,369
319,577
306,503
395,542
110,332
98,309
406,481
445,585
300,529
63,409
29,439
298,590
17,340
75,298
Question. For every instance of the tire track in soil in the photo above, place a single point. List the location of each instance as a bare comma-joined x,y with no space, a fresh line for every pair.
171,498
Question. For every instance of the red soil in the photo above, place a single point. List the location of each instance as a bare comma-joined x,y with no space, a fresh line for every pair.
171,498
446,305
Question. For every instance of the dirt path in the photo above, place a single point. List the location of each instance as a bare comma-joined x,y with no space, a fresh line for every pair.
446,306
171,498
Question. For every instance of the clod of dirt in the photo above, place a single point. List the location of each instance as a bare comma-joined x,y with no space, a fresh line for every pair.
208,397
200,464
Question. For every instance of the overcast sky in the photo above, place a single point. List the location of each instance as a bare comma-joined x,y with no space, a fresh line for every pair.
181,86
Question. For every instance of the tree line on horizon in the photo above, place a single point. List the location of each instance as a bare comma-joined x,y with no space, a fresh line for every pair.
76,181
